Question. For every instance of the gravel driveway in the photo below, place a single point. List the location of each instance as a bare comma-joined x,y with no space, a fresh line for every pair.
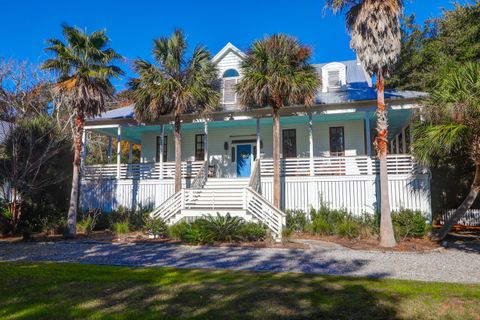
452,265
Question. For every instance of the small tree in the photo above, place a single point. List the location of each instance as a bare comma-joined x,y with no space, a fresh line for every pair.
175,85
276,73
84,66
375,31
452,123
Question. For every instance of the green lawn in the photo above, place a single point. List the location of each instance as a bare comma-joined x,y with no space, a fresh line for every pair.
66,291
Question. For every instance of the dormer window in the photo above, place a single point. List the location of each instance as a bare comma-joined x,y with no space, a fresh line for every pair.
334,81
334,76
230,78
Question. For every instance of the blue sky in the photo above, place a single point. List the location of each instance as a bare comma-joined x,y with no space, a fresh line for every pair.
132,25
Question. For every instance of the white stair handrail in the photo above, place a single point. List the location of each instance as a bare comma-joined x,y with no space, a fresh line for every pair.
170,207
263,210
201,177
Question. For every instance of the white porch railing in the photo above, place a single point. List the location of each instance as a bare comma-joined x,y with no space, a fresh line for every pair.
342,166
140,170
264,211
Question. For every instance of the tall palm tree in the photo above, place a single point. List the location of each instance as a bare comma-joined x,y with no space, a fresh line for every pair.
276,73
452,123
374,27
174,85
84,65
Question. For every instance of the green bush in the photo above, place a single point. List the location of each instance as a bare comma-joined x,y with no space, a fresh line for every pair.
135,218
222,228
296,220
409,223
188,232
254,232
321,226
156,227
217,228
121,227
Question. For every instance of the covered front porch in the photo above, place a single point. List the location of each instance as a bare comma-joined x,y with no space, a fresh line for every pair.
311,144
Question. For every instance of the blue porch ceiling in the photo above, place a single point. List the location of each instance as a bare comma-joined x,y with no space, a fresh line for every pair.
397,119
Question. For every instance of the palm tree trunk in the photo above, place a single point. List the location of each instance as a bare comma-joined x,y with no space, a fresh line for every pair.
387,237
178,154
466,204
276,157
77,159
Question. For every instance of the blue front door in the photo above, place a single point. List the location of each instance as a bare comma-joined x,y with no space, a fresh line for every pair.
244,160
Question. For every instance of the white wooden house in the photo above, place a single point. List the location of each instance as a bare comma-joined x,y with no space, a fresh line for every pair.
326,150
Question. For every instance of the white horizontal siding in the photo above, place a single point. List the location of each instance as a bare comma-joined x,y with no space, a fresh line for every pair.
354,142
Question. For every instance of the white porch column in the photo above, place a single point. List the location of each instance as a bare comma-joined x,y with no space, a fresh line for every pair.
205,142
368,141
130,152
257,156
310,139
397,147
119,150
368,134
160,150
404,146
109,150
84,148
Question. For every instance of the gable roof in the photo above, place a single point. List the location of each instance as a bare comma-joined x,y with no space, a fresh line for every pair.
229,47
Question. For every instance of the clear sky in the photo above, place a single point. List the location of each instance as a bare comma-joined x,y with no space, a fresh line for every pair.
133,24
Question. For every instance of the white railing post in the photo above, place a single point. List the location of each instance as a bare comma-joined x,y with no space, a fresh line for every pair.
404,147
310,136
119,151
109,152
162,134
368,137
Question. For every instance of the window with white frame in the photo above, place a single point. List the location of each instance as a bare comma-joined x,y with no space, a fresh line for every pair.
334,81
334,76
230,79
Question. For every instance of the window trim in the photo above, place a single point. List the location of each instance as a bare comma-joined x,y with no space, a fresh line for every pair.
336,153
199,151
235,82
294,144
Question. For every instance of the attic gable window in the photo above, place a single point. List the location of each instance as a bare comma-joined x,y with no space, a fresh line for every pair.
230,79
334,76
334,81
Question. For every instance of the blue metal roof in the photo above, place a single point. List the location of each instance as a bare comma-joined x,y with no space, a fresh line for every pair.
358,88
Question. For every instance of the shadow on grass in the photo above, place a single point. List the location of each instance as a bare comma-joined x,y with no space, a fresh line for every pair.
64,291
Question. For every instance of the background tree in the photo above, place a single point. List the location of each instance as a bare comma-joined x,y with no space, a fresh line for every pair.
375,32
276,73
30,140
429,52
84,66
452,123
175,85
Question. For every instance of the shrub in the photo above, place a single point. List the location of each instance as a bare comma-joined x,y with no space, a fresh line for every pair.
135,218
88,221
409,223
210,229
321,226
251,231
349,228
155,226
188,232
121,227
222,228
296,220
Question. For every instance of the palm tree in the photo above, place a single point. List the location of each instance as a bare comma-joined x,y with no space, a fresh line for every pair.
452,123
276,73
84,67
375,31
175,85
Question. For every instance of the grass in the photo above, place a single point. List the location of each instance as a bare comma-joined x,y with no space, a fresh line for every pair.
73,291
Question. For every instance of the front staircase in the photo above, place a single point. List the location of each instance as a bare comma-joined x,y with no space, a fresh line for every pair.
237,196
